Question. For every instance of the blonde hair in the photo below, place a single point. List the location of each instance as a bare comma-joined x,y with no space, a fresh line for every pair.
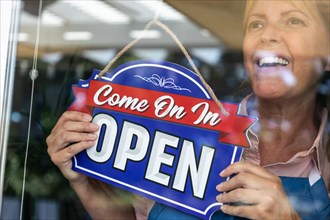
317,8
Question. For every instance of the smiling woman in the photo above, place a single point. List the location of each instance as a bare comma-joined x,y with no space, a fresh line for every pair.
296,33
286,50
293,35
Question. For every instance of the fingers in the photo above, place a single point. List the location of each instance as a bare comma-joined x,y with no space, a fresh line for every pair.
72,134
71,127
244,188
253,203
74,116
61,158
64,138
241,167
278,208
246,196
249,189
249,176
77,123
259,193
246,180
242,211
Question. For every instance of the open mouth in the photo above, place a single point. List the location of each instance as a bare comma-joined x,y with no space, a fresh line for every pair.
272,61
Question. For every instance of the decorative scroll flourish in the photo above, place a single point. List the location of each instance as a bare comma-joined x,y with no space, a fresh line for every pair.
162,82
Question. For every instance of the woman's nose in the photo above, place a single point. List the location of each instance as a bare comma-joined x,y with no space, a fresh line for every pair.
270,35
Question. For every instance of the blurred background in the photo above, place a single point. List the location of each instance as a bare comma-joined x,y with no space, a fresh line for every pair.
77,36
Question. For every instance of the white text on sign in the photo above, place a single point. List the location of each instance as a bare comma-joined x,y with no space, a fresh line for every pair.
165,106
187,163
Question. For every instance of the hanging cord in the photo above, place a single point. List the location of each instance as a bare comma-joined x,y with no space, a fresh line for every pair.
156,22
33,75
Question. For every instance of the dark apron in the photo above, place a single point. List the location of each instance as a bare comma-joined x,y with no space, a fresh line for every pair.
311,202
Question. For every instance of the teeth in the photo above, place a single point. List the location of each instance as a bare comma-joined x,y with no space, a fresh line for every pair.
273,61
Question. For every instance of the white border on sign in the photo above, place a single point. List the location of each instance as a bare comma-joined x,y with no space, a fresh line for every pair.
134,187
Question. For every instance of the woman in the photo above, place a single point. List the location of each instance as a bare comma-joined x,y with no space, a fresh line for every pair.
286,50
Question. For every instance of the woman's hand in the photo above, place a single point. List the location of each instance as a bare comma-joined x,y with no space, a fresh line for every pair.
258,194
72,134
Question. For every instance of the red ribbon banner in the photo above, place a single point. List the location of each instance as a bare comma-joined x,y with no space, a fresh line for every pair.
174,108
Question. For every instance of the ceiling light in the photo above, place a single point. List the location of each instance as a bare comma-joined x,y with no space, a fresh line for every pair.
23,37
208,55
166,12
52,58
102,57
48,18
100,10
205,33
80,35
151,53
147,34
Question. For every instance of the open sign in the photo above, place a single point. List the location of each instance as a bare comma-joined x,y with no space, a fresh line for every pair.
161,134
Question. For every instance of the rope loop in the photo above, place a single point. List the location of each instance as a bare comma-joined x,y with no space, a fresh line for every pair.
156,22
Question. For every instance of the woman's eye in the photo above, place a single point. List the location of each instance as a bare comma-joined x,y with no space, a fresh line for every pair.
255,25
296,22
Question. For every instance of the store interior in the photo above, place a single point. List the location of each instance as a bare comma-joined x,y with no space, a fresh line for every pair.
78,36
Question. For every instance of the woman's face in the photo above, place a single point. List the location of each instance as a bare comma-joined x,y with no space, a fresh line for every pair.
285,49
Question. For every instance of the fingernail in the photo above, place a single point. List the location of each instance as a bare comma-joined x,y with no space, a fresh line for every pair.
94,126
92,136
219,187
222,172
223,208
87,117
91,143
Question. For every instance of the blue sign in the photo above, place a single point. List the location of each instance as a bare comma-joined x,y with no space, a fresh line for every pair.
162,136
